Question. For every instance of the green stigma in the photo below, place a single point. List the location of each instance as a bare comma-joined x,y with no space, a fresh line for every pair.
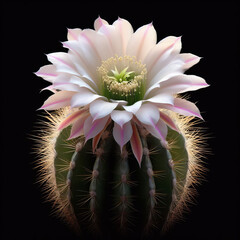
123,75
120,84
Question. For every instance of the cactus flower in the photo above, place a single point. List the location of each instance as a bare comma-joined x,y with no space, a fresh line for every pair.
114,73
120,156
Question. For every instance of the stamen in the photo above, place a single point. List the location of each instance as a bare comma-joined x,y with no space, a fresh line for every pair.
123,78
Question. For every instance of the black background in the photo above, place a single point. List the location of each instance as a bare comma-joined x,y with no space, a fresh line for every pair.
30,30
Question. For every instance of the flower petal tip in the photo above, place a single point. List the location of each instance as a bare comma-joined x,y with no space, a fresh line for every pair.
165,144
86,139
200,116
41,108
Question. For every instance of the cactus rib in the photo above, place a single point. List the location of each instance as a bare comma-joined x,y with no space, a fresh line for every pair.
106,191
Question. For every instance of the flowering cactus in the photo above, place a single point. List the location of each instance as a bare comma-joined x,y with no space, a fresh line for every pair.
120,154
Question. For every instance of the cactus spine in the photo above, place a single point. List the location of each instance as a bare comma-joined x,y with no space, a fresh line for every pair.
106,191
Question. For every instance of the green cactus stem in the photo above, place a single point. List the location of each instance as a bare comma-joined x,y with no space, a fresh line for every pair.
106,193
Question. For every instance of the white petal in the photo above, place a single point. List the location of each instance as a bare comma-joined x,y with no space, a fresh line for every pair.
82,82
121,117
125,31
166,47
120,102
92,128
99,43
114,38
183,107
160,98
122,134
73,34
62,62
189,60
148,114
47,72
133,108
58,100
166,69
142,41
99,22
65,86
159,130
101,108
84,97
176,84
150,89
85,58
62,78
182,83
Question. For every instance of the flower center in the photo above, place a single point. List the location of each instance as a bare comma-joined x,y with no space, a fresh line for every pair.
123,78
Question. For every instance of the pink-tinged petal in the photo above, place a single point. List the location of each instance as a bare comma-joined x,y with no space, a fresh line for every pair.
78,125
158,130
189,60
99,22
142,41
65,86
119,102
155,97
111,34
96,139
150,89
125,31
50,88
63,62
92,128
173,66
84,97
114,38
177,84
58,100
47,72
62,77
136,144
148,113
71,118
166,47
82,82
121,117
84,57
183,83
183,107
101,108
99,43
133,108
73,34
168,121
122,134
177,45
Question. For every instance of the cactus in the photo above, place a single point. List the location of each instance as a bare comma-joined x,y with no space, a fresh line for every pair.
107,192
119,157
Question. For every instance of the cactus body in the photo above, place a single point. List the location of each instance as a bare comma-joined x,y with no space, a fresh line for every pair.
107,192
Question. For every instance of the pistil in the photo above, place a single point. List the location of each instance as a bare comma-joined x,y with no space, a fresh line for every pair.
123,78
